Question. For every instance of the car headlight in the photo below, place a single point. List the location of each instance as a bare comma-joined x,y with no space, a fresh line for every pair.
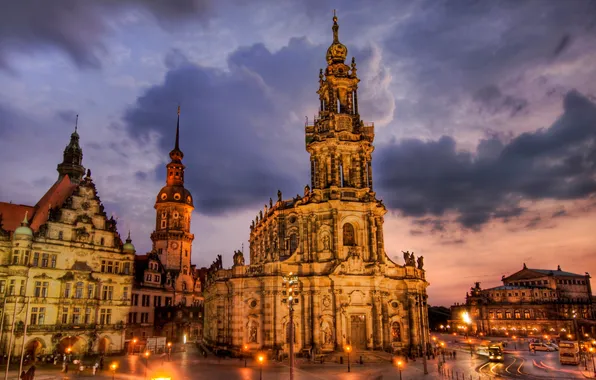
498,357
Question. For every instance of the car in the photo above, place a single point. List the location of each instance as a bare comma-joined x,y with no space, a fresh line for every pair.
553,345
541,347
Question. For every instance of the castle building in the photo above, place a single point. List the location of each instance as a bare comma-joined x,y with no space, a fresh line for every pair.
530,302
167,299
350,292
65,276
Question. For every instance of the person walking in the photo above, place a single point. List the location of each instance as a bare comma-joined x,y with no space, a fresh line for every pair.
31,373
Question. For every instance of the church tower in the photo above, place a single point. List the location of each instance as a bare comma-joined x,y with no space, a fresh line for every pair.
339,143
72,159
172,239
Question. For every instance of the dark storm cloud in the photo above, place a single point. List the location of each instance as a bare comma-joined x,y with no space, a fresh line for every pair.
433,177
77,28
238,146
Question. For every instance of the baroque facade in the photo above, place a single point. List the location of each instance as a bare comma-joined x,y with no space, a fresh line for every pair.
530,302
331,237
167,299
65,276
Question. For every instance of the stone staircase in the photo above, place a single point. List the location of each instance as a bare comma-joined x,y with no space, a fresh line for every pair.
367,357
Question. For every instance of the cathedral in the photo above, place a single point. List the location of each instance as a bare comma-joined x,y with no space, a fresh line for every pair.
331,237
66,277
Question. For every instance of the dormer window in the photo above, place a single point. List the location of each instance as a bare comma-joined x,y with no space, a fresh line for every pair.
148,277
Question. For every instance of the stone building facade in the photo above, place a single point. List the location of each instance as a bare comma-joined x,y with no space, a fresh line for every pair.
65,276
167,295
332,238
530,302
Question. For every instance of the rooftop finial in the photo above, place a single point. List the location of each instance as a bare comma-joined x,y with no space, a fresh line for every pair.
25,221
128,239
178,131
77,123
335,28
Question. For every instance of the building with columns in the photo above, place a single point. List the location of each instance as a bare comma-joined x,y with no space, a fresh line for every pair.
65,276
167,299
331,236
530,302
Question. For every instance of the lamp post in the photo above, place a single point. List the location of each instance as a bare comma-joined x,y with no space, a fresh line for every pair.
146,355
169,351
348,350
593,364
291,292
398,363
113,367
245,349
261,360
471,351
134,342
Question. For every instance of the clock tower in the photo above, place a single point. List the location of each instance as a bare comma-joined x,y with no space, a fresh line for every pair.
172,240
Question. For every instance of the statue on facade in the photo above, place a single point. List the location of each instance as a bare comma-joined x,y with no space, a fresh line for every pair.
265,209
406,257
279,195
238,258
270,203
252,333
420,262
327,335
261,214
306,190
326,242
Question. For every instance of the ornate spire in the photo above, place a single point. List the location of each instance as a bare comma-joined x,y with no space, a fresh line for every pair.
25,222
128,239
176,154
72,158
335,28
337,52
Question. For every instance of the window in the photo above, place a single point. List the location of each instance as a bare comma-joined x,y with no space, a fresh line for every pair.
126,268
116,267
156,278
102,241
507,315
523,294
90,291
125,293
54,258
2,286
144,317
168,301
135,299
163,224
517,314
87,315
110,267
60,235
395,332
36,259
76,315
64,315
22,288
37,315
15,258
148,277
157,301
45,258
103,266
527,314
37,291
11,287
67,290
105,316
491,314
108,292
146,300
79,290
293,243
348,235
44,289
186,253
26,258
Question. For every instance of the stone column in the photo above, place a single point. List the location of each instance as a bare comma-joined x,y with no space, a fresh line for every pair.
362,170
373,238
315,316
381,242
370,174
313,173
335,232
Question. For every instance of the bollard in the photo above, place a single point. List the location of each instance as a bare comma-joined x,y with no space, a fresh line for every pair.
341,360
361,361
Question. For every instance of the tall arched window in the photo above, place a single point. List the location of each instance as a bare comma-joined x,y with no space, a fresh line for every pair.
293,243
395,332
349,239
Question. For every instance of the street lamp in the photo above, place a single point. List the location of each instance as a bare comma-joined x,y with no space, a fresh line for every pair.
134,341
261,360
113,367
593,364
348,350
169,351
146,355
291,292
245,349
398,363
470,342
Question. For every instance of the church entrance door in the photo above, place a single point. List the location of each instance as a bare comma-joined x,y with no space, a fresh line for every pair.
358,331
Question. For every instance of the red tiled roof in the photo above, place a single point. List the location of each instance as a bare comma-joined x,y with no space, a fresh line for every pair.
12,214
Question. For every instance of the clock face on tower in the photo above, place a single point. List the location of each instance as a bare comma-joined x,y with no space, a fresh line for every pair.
174,245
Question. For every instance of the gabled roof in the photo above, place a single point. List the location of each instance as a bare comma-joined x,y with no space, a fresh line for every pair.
13,214
529,274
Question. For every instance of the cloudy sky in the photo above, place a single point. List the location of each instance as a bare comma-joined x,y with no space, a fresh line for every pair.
485,113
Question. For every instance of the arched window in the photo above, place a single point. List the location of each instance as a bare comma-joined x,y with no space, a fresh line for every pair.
293,243
395,332
349,239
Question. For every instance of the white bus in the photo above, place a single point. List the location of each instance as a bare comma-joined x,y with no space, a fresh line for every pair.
569,352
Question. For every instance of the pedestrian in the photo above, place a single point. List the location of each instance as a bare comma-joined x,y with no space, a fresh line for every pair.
454,355
81,368
101,363
23,375
95,368
31,373
65,367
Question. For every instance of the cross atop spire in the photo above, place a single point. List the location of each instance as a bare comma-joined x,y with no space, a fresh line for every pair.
76,123
176,154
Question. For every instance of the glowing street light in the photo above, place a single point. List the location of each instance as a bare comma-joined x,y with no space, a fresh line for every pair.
261,360
169,351
348,350
245,349
113,367
134,341
399,364
146,355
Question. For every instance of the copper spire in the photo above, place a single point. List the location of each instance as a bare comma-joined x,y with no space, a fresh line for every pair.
178,131
335,28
